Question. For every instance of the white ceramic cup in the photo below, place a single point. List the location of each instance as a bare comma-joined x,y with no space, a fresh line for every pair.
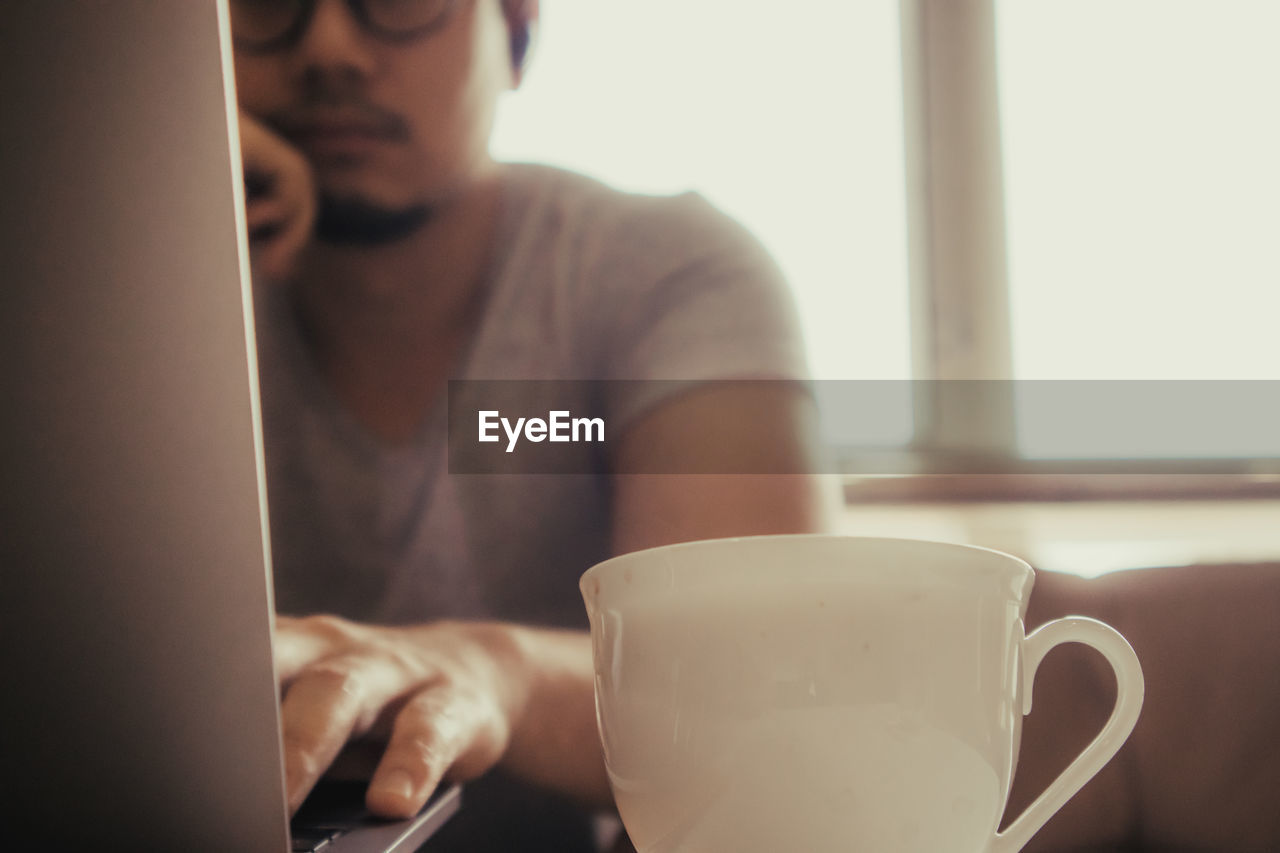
827,693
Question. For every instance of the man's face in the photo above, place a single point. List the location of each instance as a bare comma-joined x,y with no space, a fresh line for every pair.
390,125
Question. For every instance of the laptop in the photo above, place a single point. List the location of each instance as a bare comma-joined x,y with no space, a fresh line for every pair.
138,707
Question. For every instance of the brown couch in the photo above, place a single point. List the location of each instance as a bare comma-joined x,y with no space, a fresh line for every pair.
1202,769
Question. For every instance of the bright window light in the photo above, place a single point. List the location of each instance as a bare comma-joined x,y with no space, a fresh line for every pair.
788,117
1143,198
1143,186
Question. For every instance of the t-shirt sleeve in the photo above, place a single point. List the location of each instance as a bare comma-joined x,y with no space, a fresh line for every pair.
683,292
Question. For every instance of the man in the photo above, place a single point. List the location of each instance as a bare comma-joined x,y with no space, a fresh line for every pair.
457,646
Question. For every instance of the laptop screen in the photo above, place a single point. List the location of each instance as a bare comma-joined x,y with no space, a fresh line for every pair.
139,702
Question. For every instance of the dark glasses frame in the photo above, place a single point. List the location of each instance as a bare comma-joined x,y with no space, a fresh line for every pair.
305,11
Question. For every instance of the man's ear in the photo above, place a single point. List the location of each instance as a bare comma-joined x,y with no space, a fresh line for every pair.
522,22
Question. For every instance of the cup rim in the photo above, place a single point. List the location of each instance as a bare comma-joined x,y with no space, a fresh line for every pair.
606,566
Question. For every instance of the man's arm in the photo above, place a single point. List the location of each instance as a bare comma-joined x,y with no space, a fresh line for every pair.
557,743
736,431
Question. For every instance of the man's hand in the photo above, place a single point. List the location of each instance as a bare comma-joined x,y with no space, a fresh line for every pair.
280,198
444,698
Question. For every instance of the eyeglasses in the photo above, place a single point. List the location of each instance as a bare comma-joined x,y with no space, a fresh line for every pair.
262,26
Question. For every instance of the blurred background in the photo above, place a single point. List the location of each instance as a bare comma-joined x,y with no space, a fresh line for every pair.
1030,190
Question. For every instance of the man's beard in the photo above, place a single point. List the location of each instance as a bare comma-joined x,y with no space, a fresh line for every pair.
355,222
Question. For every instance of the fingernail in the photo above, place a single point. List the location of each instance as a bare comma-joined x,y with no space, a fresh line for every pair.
397,783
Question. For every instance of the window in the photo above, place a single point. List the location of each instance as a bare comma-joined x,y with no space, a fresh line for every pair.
1143,187
1004,189
1143,204
788,117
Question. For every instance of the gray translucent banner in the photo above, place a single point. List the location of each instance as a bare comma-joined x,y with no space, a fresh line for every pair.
868,427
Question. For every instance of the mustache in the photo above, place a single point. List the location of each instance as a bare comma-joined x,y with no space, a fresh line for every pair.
324,106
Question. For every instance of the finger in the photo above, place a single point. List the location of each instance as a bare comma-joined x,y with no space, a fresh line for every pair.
275,243
273,251
264,211
299,643
286,200
429,733
257,183
298,222
279,227
320,711
280,197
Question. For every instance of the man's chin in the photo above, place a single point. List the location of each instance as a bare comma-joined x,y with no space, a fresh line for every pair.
349,220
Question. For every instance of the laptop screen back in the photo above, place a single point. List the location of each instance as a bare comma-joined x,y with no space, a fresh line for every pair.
138,703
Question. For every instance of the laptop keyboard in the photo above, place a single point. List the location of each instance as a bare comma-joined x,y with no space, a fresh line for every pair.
313,839
332,809
336,808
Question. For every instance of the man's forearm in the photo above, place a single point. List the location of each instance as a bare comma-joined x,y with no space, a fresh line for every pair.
556,743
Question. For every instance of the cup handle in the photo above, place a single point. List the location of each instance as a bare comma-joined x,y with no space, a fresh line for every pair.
1130,688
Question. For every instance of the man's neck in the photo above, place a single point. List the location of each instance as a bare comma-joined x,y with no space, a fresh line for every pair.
385,324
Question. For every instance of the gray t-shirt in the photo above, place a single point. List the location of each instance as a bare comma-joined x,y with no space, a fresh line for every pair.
585,283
